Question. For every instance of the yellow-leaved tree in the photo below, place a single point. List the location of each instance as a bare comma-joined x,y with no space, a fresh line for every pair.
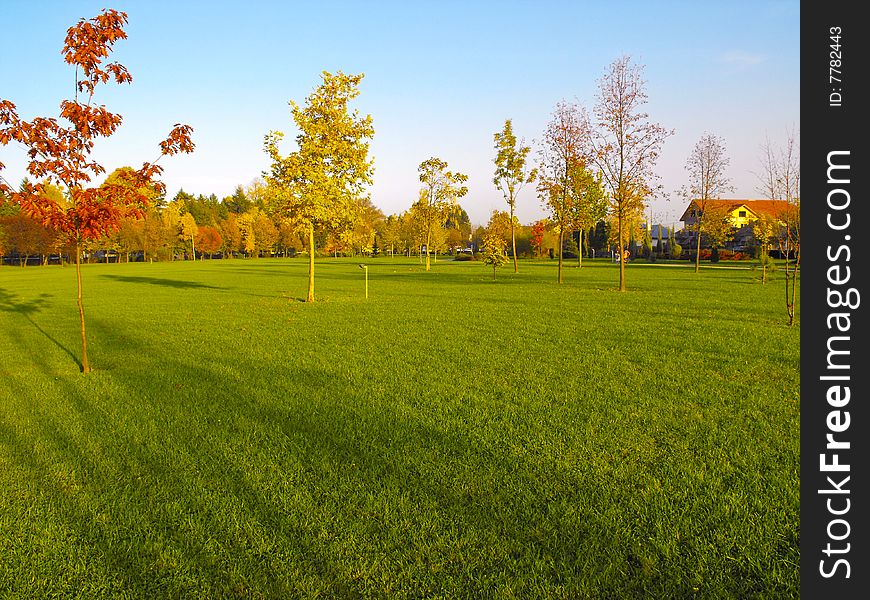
441,189
322,183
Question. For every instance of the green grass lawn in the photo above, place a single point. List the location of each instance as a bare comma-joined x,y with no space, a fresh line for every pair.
450,437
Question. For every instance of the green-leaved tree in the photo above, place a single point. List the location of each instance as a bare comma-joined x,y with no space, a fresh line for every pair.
511,173
494,251
441,189
322,182
568,189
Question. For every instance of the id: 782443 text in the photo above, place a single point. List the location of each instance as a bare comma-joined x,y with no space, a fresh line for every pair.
835,67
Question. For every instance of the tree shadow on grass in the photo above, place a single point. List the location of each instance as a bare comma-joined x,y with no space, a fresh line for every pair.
10,302
173,283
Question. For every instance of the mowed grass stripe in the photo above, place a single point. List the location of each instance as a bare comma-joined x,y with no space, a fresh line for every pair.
451,436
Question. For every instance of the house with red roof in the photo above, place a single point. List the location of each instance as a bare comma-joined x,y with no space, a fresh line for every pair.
741,212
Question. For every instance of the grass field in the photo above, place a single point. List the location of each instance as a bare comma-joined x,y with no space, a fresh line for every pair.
450,437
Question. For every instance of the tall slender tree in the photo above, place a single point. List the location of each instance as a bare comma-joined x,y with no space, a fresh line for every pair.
567,187
706,167
625,145
781,180
321,183
59,154
511,174
441,189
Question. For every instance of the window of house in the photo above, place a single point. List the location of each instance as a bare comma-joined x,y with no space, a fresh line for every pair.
741,213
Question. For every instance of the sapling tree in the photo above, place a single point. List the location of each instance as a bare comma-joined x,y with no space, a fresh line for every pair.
781,180
625,146
706,167
61,154
438,196
511,173
567,187
494,251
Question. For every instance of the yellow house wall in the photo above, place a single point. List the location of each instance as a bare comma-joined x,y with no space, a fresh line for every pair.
739,221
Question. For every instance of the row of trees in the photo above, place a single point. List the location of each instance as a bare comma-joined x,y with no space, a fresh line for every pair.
241,224
588,169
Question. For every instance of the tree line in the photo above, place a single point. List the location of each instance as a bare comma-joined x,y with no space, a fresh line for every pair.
594,167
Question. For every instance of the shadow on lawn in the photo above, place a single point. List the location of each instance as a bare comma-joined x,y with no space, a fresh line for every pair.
10,303
269,478
172,283
282,474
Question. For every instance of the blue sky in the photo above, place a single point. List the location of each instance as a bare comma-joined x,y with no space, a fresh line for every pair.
441,77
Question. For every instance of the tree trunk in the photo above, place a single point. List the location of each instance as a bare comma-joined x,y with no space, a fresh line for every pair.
698,249
621,253
311,262
428,238
86,367
561,233
794,287
513,243
580,251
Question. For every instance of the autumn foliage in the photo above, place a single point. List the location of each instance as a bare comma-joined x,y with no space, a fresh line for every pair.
60,153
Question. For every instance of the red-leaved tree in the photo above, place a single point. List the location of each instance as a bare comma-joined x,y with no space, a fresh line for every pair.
208,240
61,153
538,231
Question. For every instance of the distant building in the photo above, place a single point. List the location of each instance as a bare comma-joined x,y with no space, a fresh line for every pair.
741,212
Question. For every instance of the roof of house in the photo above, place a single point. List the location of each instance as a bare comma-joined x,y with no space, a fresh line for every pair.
773,208
656,230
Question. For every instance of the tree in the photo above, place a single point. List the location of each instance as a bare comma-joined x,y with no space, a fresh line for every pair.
391,233
265,234
511,173
765,229
624,144
208,239
503,224
131,236
187,229
171,221
494,250
62,154
568,189
133,230
780,180
26,236
706,166
538,231
441,189
247,232
237,203
231,235
320,183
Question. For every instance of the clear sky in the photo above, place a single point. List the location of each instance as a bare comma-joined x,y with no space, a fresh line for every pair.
440,78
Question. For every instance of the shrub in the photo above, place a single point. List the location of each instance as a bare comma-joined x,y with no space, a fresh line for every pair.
463,257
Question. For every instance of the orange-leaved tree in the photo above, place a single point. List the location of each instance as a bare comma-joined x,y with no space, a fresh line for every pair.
62,154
